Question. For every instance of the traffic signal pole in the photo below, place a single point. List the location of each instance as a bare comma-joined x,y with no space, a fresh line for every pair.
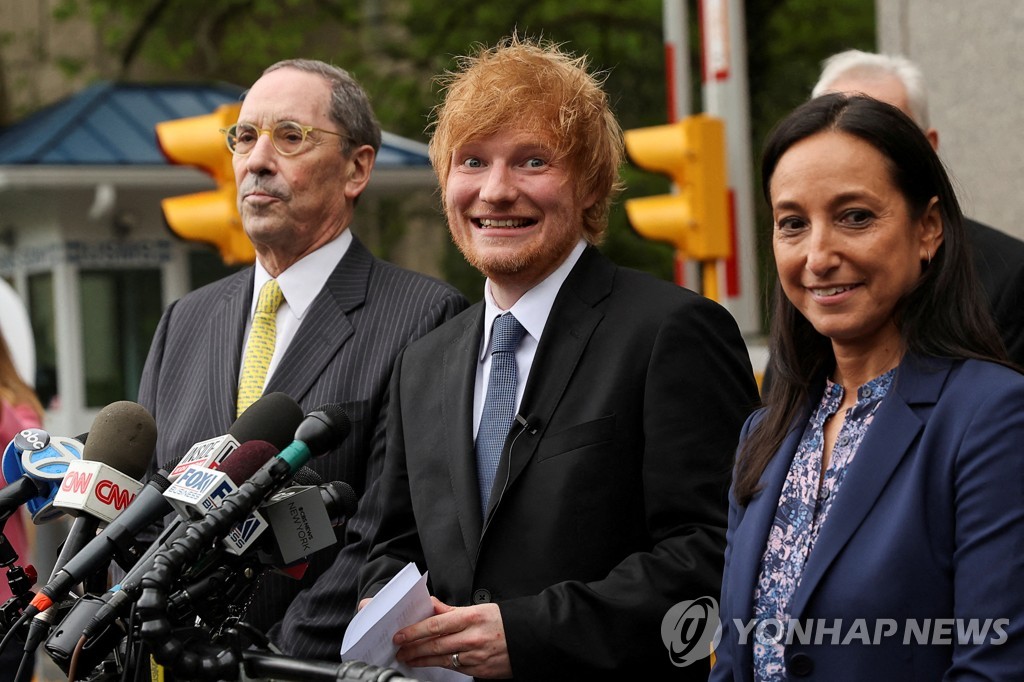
675,28
725,95
698,218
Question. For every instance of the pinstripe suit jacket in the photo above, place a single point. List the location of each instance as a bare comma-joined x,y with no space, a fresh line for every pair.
343,353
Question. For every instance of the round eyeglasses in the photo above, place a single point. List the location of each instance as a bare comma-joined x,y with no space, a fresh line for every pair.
286,136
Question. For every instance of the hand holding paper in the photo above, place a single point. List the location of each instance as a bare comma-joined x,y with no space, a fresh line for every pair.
402,602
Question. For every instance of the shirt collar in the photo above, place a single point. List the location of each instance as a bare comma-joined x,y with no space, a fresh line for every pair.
533,307
301,282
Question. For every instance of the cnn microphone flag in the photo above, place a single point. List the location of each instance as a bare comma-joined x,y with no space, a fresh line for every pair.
97,489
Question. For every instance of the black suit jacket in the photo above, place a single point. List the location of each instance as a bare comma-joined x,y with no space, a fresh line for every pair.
613,506
343,352
999,263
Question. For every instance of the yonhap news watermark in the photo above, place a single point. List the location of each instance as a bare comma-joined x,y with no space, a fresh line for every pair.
874,631
691,629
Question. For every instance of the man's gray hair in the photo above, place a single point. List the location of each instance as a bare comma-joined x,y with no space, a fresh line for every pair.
350,106
857,63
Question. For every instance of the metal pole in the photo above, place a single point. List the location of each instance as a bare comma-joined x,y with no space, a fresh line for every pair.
677,76
724,77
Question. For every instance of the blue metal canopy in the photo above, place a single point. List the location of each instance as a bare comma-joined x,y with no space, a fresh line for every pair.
113,124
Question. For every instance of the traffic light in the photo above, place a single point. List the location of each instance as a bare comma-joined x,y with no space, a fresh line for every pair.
692,153
212,216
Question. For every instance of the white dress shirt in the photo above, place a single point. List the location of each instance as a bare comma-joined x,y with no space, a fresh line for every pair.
300,284
532,310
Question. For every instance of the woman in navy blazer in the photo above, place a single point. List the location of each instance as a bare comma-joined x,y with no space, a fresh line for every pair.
876,526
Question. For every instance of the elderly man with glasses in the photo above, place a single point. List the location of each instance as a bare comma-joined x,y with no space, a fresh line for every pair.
317,317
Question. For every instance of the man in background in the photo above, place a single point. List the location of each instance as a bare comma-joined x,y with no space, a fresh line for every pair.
332,318
998,257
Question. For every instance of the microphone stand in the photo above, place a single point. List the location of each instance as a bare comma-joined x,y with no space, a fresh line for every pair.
20,581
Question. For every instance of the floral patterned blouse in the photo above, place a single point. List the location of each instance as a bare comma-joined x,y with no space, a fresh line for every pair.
802,511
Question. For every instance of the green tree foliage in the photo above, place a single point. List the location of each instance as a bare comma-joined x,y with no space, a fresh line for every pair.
786,43
397,47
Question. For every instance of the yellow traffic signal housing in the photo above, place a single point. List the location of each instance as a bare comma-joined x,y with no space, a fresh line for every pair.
212,216
692,153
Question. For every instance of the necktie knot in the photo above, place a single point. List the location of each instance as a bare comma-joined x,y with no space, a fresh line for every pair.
506,334
270,298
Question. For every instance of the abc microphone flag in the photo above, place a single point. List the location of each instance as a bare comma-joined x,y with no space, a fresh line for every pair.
36,462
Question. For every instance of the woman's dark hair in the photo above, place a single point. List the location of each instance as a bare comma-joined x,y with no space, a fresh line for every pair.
944,315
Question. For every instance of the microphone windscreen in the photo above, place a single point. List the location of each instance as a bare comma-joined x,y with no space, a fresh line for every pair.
343,497
247,459
338,420
306,476
272,418
123,436
324,429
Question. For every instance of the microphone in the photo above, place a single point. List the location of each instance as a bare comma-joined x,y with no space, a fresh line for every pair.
272,415
238,466
105,481
273,418
34,464
319,432
120,444
303,518
530,424
200,489
95,490
258,664
98,487
301,521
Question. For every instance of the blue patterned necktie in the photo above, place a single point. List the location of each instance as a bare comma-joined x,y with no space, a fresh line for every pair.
500,403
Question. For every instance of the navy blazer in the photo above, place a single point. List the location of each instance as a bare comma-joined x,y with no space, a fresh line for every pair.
928,524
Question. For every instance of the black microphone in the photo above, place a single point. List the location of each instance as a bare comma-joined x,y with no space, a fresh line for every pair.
258,664
302,521
530,424
271,415
239,466
273,418
318,433
96,489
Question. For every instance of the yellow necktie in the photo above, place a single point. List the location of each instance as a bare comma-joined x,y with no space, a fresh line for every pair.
260,346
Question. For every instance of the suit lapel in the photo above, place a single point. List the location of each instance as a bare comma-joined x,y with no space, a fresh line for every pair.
895,428
225,352
325,326
459,361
